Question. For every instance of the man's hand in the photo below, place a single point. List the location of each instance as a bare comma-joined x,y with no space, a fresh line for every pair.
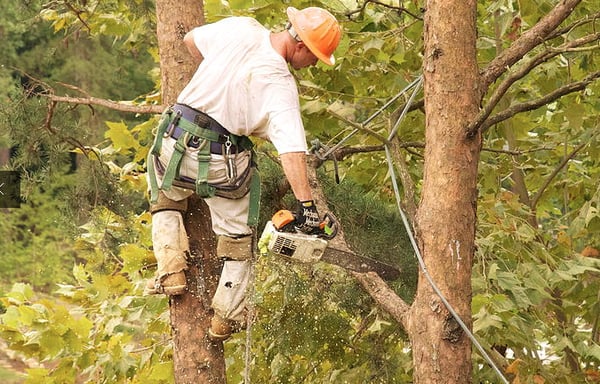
307,217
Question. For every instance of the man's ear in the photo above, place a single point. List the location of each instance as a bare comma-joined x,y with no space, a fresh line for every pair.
300,45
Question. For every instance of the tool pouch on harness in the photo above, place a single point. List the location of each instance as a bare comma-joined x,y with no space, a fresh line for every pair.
236,189
196,133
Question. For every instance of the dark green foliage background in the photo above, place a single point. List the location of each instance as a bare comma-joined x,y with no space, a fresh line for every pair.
74,257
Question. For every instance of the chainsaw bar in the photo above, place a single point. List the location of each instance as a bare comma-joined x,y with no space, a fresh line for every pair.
354,262
306,248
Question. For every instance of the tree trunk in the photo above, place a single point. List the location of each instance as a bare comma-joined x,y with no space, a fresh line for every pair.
195,359
173,20
446,217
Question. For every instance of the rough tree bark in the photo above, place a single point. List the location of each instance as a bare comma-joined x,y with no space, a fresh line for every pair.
195,359
446,216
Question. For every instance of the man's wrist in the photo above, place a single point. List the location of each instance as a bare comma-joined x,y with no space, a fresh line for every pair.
304,197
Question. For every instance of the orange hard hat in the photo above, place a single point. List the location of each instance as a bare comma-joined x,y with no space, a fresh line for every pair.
318,29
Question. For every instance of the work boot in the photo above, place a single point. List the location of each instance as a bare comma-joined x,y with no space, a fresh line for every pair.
171,285
221,329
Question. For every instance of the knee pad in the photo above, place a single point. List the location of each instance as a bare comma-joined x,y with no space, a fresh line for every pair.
163,203
234,248
170,242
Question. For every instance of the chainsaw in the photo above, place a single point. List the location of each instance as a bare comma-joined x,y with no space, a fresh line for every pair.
281,238
285,221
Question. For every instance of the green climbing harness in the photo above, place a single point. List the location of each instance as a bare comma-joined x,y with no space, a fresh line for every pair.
195,130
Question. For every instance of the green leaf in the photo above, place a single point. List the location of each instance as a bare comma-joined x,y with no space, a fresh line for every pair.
374,43
592,351
37,376
27,315
502,303
508,280
121,137
592,213
11,318
485,320
52,343
162,371
82,327
134,257
20,293
313,106
80,273
575,115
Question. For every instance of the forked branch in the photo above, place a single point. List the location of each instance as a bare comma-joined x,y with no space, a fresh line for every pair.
527,41
521,72
537,103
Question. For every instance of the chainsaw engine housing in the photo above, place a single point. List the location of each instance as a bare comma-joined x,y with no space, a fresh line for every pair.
297,246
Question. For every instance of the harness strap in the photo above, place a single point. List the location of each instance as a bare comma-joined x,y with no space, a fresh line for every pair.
200,132
254,208
154,188
203,189
201,139
172,170
161,130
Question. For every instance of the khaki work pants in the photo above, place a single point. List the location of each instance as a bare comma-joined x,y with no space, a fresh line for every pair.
229,219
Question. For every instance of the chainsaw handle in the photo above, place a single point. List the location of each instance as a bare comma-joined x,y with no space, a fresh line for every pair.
329,226
284,220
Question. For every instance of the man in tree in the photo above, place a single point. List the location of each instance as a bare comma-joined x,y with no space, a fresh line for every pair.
242,87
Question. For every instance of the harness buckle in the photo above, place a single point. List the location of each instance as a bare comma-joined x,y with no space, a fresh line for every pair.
228,144
194,142
173,124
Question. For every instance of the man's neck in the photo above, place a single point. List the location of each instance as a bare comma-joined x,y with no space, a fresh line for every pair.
282,43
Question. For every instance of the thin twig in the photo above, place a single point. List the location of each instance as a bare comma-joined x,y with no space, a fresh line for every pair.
396,8
556,171
78,15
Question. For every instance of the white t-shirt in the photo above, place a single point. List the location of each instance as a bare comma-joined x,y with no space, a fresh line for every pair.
244,84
